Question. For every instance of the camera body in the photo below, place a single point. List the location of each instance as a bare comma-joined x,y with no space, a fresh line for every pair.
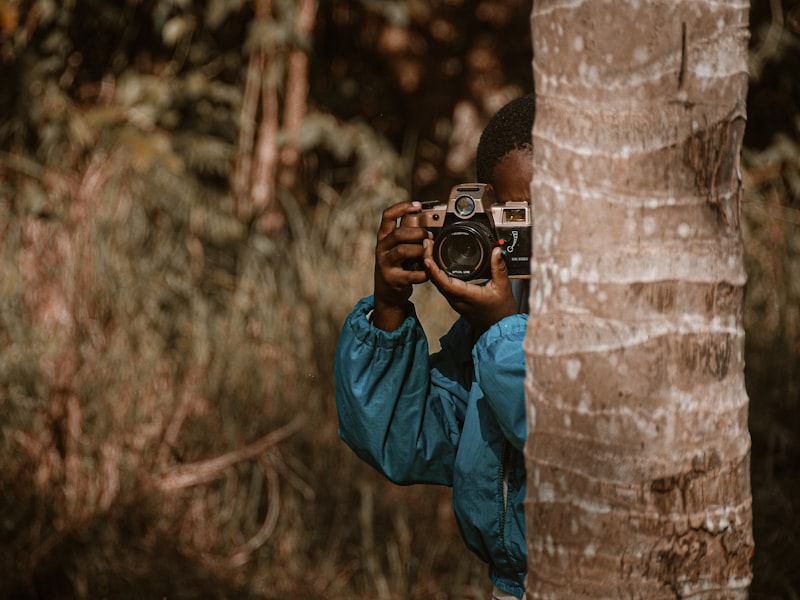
468,227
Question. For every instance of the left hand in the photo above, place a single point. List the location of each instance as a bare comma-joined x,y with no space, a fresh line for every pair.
481,305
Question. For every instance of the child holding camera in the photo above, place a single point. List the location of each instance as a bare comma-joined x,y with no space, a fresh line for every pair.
457,417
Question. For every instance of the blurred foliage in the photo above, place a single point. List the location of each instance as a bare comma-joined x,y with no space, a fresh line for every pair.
771,230
167,323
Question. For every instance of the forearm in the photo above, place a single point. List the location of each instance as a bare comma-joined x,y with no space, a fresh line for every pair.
384,399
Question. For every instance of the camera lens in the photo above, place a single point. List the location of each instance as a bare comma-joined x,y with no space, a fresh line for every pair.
463,250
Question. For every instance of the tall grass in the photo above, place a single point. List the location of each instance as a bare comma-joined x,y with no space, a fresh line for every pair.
166,381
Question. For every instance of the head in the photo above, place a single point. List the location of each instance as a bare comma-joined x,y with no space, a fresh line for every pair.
505,151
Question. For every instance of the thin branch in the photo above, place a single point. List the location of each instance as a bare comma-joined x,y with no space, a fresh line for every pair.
247,119
205,471
187,404
262,184
243,553
295,106
262,188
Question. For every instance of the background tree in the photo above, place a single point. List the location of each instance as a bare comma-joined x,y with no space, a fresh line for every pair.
638,449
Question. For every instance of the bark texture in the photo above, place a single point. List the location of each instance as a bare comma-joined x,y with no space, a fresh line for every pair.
638,447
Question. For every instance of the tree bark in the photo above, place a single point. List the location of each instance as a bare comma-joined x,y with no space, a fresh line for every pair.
638,448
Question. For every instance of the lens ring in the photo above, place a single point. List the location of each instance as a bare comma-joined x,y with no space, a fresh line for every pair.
463,250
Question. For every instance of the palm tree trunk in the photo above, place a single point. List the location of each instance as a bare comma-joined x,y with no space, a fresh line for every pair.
638,449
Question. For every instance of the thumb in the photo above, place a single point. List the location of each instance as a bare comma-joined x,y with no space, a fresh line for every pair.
498,265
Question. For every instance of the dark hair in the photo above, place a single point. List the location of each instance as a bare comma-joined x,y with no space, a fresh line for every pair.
509,129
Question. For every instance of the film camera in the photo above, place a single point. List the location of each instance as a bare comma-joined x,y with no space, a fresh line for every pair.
469,226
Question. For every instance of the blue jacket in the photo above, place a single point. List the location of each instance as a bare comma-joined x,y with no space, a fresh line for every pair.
455,418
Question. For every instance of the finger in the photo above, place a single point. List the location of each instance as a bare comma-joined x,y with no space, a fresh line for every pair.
447,285
397,275
394,212
427,247
411,235
499,268
415,277
397,263
405,252
403,244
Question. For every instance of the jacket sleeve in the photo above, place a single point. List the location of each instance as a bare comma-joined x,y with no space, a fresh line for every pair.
399,409
499,357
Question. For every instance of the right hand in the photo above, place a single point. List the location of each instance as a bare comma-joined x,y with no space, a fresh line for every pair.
481,305
393,284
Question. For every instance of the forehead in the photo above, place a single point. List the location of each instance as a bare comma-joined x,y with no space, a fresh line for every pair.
512,176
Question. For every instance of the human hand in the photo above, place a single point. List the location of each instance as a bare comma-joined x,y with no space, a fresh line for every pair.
393,284
481,305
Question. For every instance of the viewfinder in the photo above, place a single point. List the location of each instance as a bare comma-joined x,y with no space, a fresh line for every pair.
514,215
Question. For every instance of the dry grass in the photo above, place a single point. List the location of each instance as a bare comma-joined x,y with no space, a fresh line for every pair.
166,372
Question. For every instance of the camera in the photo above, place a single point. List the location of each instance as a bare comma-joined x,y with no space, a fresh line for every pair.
469,226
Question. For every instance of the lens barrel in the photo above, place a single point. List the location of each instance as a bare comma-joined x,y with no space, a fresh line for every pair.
463,250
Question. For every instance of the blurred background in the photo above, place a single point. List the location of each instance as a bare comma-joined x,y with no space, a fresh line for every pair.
189,193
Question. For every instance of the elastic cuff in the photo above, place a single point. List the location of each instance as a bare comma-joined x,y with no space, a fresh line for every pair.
360,323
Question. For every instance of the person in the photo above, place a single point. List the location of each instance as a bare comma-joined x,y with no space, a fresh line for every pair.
457,417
